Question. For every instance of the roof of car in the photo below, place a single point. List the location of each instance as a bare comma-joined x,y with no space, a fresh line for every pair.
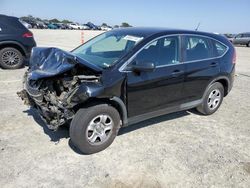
149,31
5,17
146,32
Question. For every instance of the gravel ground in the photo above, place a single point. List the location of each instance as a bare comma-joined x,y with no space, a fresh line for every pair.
182,149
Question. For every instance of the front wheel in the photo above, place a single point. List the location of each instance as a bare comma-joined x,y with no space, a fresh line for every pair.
212,100
93,129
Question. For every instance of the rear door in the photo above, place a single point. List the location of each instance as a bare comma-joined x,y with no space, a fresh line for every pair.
200,65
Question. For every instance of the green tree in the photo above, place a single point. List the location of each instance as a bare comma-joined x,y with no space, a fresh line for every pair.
66,21
125,24
54,20
104,24
29,17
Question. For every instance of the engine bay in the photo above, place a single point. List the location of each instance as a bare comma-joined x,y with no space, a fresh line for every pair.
52,96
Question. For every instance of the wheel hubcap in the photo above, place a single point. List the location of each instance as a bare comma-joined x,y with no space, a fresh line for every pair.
10,58
214,99
99,129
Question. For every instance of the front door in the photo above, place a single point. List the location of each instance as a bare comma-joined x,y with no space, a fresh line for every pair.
160,88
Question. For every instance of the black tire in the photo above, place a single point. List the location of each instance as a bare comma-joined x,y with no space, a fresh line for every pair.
248,44
80,123
207,109
19,59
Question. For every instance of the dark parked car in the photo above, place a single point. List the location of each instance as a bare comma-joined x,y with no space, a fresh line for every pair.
16,42
41,25
34,23
126,76
92,26
242,39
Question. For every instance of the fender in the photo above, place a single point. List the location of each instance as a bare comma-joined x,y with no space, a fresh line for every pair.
16,43
88,91
123,109
213,81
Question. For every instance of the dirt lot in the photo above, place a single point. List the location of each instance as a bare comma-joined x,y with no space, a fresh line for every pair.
183,149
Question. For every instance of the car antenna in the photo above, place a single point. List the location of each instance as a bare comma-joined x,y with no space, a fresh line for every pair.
198,26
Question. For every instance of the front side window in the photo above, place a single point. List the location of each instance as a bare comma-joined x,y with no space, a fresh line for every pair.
239,36
197,48
107,48
161,52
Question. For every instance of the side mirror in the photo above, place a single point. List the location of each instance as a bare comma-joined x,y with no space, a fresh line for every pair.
143,66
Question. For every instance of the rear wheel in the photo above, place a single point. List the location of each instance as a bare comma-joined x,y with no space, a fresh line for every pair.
93,129
11,58
248,44
212,100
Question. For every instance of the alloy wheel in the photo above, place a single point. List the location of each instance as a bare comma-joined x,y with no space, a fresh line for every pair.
99,129
10,58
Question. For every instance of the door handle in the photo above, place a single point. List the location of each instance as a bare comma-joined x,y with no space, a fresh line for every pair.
175,73
214,64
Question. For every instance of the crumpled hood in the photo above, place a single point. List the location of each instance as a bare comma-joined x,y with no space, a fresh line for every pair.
48,62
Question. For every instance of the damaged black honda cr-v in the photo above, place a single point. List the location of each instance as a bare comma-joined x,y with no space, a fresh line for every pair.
125,76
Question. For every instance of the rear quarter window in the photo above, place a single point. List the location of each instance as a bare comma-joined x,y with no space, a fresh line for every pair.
220,48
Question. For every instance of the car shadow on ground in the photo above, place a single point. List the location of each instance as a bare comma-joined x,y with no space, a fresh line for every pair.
63,131
55,136
146,123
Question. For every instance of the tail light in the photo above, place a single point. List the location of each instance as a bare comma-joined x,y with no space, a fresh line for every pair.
234,57
27,35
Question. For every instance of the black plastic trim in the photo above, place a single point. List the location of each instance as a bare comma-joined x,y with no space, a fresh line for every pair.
164,111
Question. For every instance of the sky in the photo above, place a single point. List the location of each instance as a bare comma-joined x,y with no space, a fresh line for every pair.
222,16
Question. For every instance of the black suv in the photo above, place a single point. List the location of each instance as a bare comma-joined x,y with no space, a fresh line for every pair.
16,42
125,76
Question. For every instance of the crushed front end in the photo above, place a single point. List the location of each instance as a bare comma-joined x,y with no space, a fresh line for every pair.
55,86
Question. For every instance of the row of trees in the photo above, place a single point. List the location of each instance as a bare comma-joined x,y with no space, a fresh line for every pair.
55,20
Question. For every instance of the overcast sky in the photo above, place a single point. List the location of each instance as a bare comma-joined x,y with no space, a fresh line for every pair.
223,16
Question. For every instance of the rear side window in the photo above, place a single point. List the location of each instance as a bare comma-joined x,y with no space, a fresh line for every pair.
220,48
197,48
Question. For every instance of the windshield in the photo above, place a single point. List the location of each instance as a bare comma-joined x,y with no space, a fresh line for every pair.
107,48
